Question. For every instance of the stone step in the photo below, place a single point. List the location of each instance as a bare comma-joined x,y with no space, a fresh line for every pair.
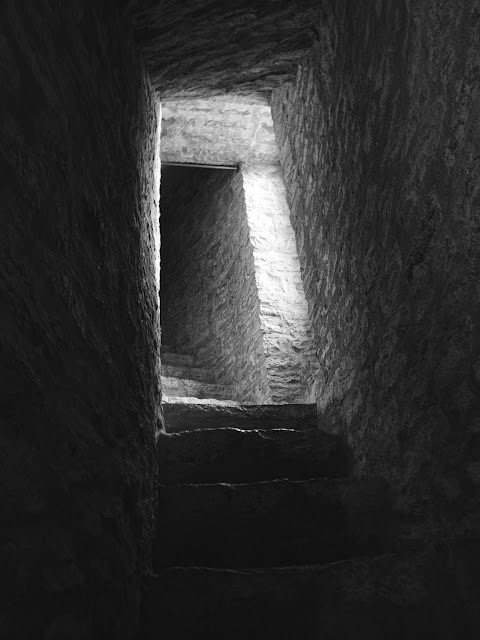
176,359
379,598
179,400
188,416
233,455
195,389
189,373
270,523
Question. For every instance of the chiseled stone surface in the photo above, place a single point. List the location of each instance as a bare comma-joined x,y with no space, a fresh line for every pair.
196,389
233,455
388,596
171,359
380,146
190,373
211,46
290,358
223,130
181,416
173,400
272,523
79,329
209,296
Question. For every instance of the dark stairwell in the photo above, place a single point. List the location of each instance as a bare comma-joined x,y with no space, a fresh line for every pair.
265,531
356,519
266,534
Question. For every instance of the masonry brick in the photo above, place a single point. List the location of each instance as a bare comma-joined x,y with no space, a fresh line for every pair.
222,130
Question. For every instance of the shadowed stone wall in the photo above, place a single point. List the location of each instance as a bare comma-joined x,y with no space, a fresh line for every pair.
208,47
210,304
78,323
380,147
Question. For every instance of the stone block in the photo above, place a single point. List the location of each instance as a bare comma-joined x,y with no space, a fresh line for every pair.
233,455
376,598
271,523
189,373
185,416
195,389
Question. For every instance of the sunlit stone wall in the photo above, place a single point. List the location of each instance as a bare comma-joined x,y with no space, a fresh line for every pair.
223,130
289,353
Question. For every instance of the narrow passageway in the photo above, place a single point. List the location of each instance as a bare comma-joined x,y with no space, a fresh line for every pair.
265,532
232,297
209,315
300,449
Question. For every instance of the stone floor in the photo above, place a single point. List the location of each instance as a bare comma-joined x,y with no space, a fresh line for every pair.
183,378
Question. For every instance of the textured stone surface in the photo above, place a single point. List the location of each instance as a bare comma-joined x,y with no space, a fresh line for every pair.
289,352
176,359
184,417
173,400
210,46
233,455
388,161
272,523
190,373
222,130
209,297
196,389
375,598
79,327
380,146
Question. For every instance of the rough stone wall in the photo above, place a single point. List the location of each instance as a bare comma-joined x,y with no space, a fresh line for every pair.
210,304
206,47
380,146
289,352
222,130
79,323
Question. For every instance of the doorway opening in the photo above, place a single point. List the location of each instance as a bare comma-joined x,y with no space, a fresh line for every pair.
234,317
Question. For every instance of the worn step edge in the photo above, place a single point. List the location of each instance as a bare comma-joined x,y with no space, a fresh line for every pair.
194,388
189,400
191,416
306,598
381,565
273,522
353,483
235,455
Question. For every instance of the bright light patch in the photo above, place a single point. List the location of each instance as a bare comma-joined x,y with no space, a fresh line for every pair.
156,207
283,306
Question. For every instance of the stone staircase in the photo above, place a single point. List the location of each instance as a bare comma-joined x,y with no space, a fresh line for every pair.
182,378
263,533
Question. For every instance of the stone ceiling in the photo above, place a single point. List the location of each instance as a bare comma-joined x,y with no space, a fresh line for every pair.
222,130
210,47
